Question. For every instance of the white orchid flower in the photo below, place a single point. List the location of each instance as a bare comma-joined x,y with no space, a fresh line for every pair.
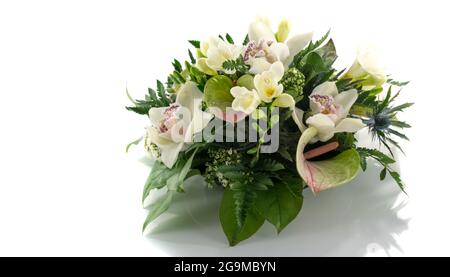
173,126
330,110
266,47
367,66
245,100
215,51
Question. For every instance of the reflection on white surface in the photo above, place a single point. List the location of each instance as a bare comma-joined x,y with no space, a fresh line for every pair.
357,219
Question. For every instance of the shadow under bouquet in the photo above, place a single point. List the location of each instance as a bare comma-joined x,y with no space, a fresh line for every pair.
265,119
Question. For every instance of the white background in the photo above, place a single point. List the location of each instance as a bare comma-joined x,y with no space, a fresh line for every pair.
67,188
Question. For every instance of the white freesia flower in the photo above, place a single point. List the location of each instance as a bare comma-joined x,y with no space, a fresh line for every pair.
266,83
330,110
245,100
173,126
367,66
264,48
215,51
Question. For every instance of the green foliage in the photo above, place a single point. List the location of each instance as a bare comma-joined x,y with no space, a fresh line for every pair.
282,202
298,58
229,38
237,65
237,231
194,43
153,99
384,160
162,176
246,40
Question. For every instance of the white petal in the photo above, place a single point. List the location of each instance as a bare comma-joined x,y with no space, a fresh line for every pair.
326,88
323,124
169,153
349,125
260,30
237,91
277,70
156,115
345,100
297,115
259,65
280,50
297,43
189,96
284,101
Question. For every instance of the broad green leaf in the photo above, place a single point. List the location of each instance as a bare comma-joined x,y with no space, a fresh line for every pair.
322,175
157,208
246,81
217,92
236,233
328,53
279,205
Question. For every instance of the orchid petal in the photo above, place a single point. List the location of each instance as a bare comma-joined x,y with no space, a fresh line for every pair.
326,88
259,65
277,70
323,124
345,100
260,30
297,43
169,153
350,125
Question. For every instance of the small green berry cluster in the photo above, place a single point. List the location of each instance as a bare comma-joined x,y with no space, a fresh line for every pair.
220,157
293,82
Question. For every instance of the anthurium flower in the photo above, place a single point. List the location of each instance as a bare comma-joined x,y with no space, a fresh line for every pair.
326,174
173,126
261,34
367,67
330,110
215,52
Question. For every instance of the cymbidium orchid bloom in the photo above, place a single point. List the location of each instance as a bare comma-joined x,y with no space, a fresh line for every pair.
269,89
266,47
367,67
173,126
215,52
330,110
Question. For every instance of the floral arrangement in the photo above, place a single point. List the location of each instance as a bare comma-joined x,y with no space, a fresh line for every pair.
265,119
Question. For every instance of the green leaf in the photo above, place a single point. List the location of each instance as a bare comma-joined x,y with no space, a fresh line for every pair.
157,208
246,81
194,43
229,38
328,53
191,57
161,176
383,174
268,165
177,66
136,142
217,92
235,232
309,49
398,180
246,40
278,205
